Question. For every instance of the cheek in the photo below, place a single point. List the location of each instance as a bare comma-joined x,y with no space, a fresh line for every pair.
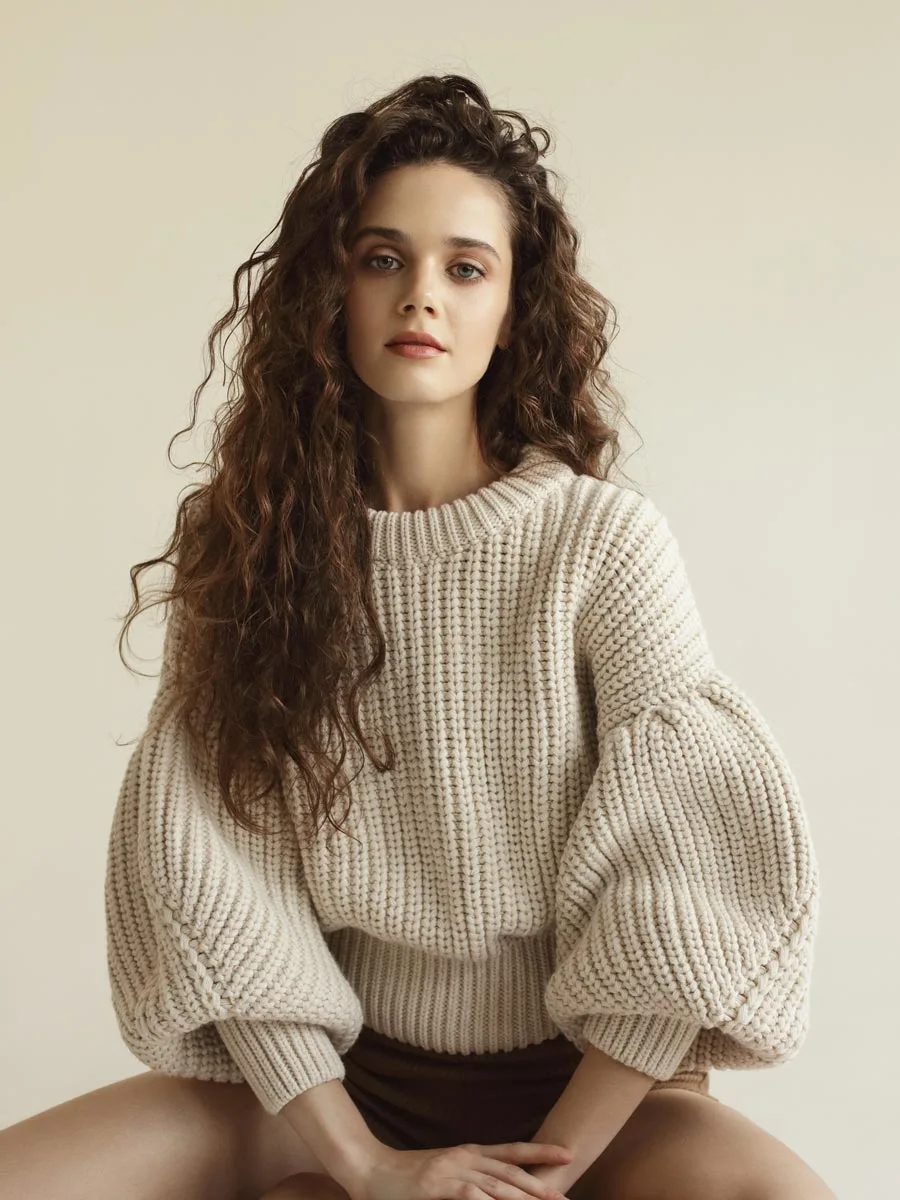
479,321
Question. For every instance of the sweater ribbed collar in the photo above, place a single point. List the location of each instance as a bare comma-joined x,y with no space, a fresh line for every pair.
426,533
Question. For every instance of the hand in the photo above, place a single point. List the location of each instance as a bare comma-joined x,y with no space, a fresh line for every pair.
440,1174
559,1177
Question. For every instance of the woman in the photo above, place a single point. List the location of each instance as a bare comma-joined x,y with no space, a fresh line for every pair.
580,877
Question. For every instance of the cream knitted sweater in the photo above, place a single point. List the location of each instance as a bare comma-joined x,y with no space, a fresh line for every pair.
589,827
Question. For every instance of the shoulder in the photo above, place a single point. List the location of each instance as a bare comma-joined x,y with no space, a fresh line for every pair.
621,529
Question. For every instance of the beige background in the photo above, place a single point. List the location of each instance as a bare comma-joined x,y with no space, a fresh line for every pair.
733,169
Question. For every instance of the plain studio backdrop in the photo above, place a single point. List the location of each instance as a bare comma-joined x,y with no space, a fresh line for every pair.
733,170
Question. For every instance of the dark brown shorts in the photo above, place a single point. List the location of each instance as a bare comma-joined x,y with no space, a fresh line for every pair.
415,1099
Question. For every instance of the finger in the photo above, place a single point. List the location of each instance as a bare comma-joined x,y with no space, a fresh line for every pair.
528,1152
504,1182
515,1180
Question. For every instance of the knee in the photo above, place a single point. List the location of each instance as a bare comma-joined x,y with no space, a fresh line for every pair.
306,1186
813,1188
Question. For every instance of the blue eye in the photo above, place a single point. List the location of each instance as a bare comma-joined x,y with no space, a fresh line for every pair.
462,278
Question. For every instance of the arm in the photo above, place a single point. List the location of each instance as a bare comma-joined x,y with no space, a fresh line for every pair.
597,1101
218,966
332,1126
687,890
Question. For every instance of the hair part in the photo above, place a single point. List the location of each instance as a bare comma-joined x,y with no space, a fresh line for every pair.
271,561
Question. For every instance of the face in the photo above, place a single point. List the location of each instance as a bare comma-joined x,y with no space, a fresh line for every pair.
412,279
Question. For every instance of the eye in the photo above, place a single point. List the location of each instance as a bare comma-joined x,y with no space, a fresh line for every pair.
462,278
472,267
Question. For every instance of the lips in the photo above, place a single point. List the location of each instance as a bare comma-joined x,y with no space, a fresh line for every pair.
415,339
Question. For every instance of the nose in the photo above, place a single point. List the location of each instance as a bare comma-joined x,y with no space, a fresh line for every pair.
427,304
420,292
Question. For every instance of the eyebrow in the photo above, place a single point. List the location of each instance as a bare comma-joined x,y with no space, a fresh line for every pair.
390,234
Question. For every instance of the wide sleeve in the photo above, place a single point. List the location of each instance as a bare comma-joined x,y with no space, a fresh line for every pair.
218,967
687,891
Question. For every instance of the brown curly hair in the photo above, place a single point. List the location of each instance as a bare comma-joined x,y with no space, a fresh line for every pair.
271,557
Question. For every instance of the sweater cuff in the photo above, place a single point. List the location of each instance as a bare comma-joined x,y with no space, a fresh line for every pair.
654,1045
280,1059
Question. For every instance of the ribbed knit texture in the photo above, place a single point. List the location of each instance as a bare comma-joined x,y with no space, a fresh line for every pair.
589,827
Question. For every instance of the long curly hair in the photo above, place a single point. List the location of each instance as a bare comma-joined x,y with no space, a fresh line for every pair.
271,580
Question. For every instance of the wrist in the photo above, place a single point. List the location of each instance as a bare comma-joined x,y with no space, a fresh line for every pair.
330,1124
353,1168
561,1177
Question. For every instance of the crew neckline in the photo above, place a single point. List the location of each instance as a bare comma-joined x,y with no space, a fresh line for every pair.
425,533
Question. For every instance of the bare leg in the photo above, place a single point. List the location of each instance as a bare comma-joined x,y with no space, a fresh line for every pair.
680,1144
307,1187
152,1137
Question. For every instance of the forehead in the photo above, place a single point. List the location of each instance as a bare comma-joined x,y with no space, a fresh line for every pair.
431,203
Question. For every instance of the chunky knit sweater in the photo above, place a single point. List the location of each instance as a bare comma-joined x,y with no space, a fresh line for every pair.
589,827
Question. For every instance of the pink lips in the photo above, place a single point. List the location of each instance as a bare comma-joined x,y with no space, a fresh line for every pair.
416,336
414,350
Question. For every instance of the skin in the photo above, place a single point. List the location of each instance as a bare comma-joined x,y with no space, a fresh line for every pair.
154,1137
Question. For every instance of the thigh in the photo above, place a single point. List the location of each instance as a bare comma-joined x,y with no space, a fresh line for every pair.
150,1137
683,1145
